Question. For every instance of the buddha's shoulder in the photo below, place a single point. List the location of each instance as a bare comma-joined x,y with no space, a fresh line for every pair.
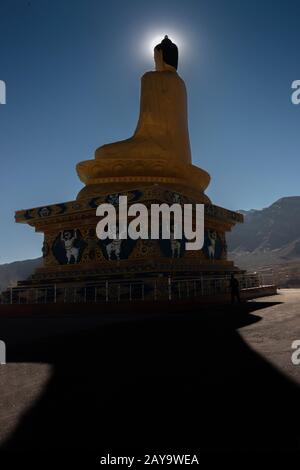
158,76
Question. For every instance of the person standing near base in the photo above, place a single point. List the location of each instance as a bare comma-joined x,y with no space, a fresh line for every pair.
234,289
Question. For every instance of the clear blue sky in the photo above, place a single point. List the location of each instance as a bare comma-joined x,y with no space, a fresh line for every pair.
72,69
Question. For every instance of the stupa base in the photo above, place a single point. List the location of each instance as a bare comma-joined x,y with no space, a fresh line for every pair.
92,260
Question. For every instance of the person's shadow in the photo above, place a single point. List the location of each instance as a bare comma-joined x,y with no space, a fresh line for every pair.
171,381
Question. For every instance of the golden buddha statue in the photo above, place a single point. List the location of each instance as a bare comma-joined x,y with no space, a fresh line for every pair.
153,166
159,150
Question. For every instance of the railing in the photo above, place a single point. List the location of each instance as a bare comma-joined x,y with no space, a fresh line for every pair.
166,288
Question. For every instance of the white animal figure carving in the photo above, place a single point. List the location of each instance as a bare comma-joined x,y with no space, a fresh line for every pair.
212,235
114,247
68,242
175,245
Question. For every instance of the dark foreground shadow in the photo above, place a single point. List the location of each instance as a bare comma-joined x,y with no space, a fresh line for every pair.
171,382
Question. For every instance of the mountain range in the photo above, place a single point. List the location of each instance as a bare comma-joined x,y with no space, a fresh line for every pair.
269,239
11,273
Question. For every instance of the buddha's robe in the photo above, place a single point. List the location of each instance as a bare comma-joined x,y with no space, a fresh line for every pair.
162,129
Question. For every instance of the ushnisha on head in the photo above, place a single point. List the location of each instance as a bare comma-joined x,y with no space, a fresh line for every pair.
166,56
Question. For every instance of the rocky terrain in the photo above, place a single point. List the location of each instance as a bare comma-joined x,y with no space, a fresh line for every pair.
269,240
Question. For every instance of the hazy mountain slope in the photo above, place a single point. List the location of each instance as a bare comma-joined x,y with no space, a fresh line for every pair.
274,228
10,273
270,240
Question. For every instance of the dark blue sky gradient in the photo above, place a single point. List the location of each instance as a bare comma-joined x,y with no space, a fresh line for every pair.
72,70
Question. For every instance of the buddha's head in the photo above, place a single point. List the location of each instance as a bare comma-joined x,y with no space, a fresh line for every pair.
166,55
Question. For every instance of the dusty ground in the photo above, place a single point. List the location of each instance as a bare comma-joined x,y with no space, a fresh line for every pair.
165,381
280,326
